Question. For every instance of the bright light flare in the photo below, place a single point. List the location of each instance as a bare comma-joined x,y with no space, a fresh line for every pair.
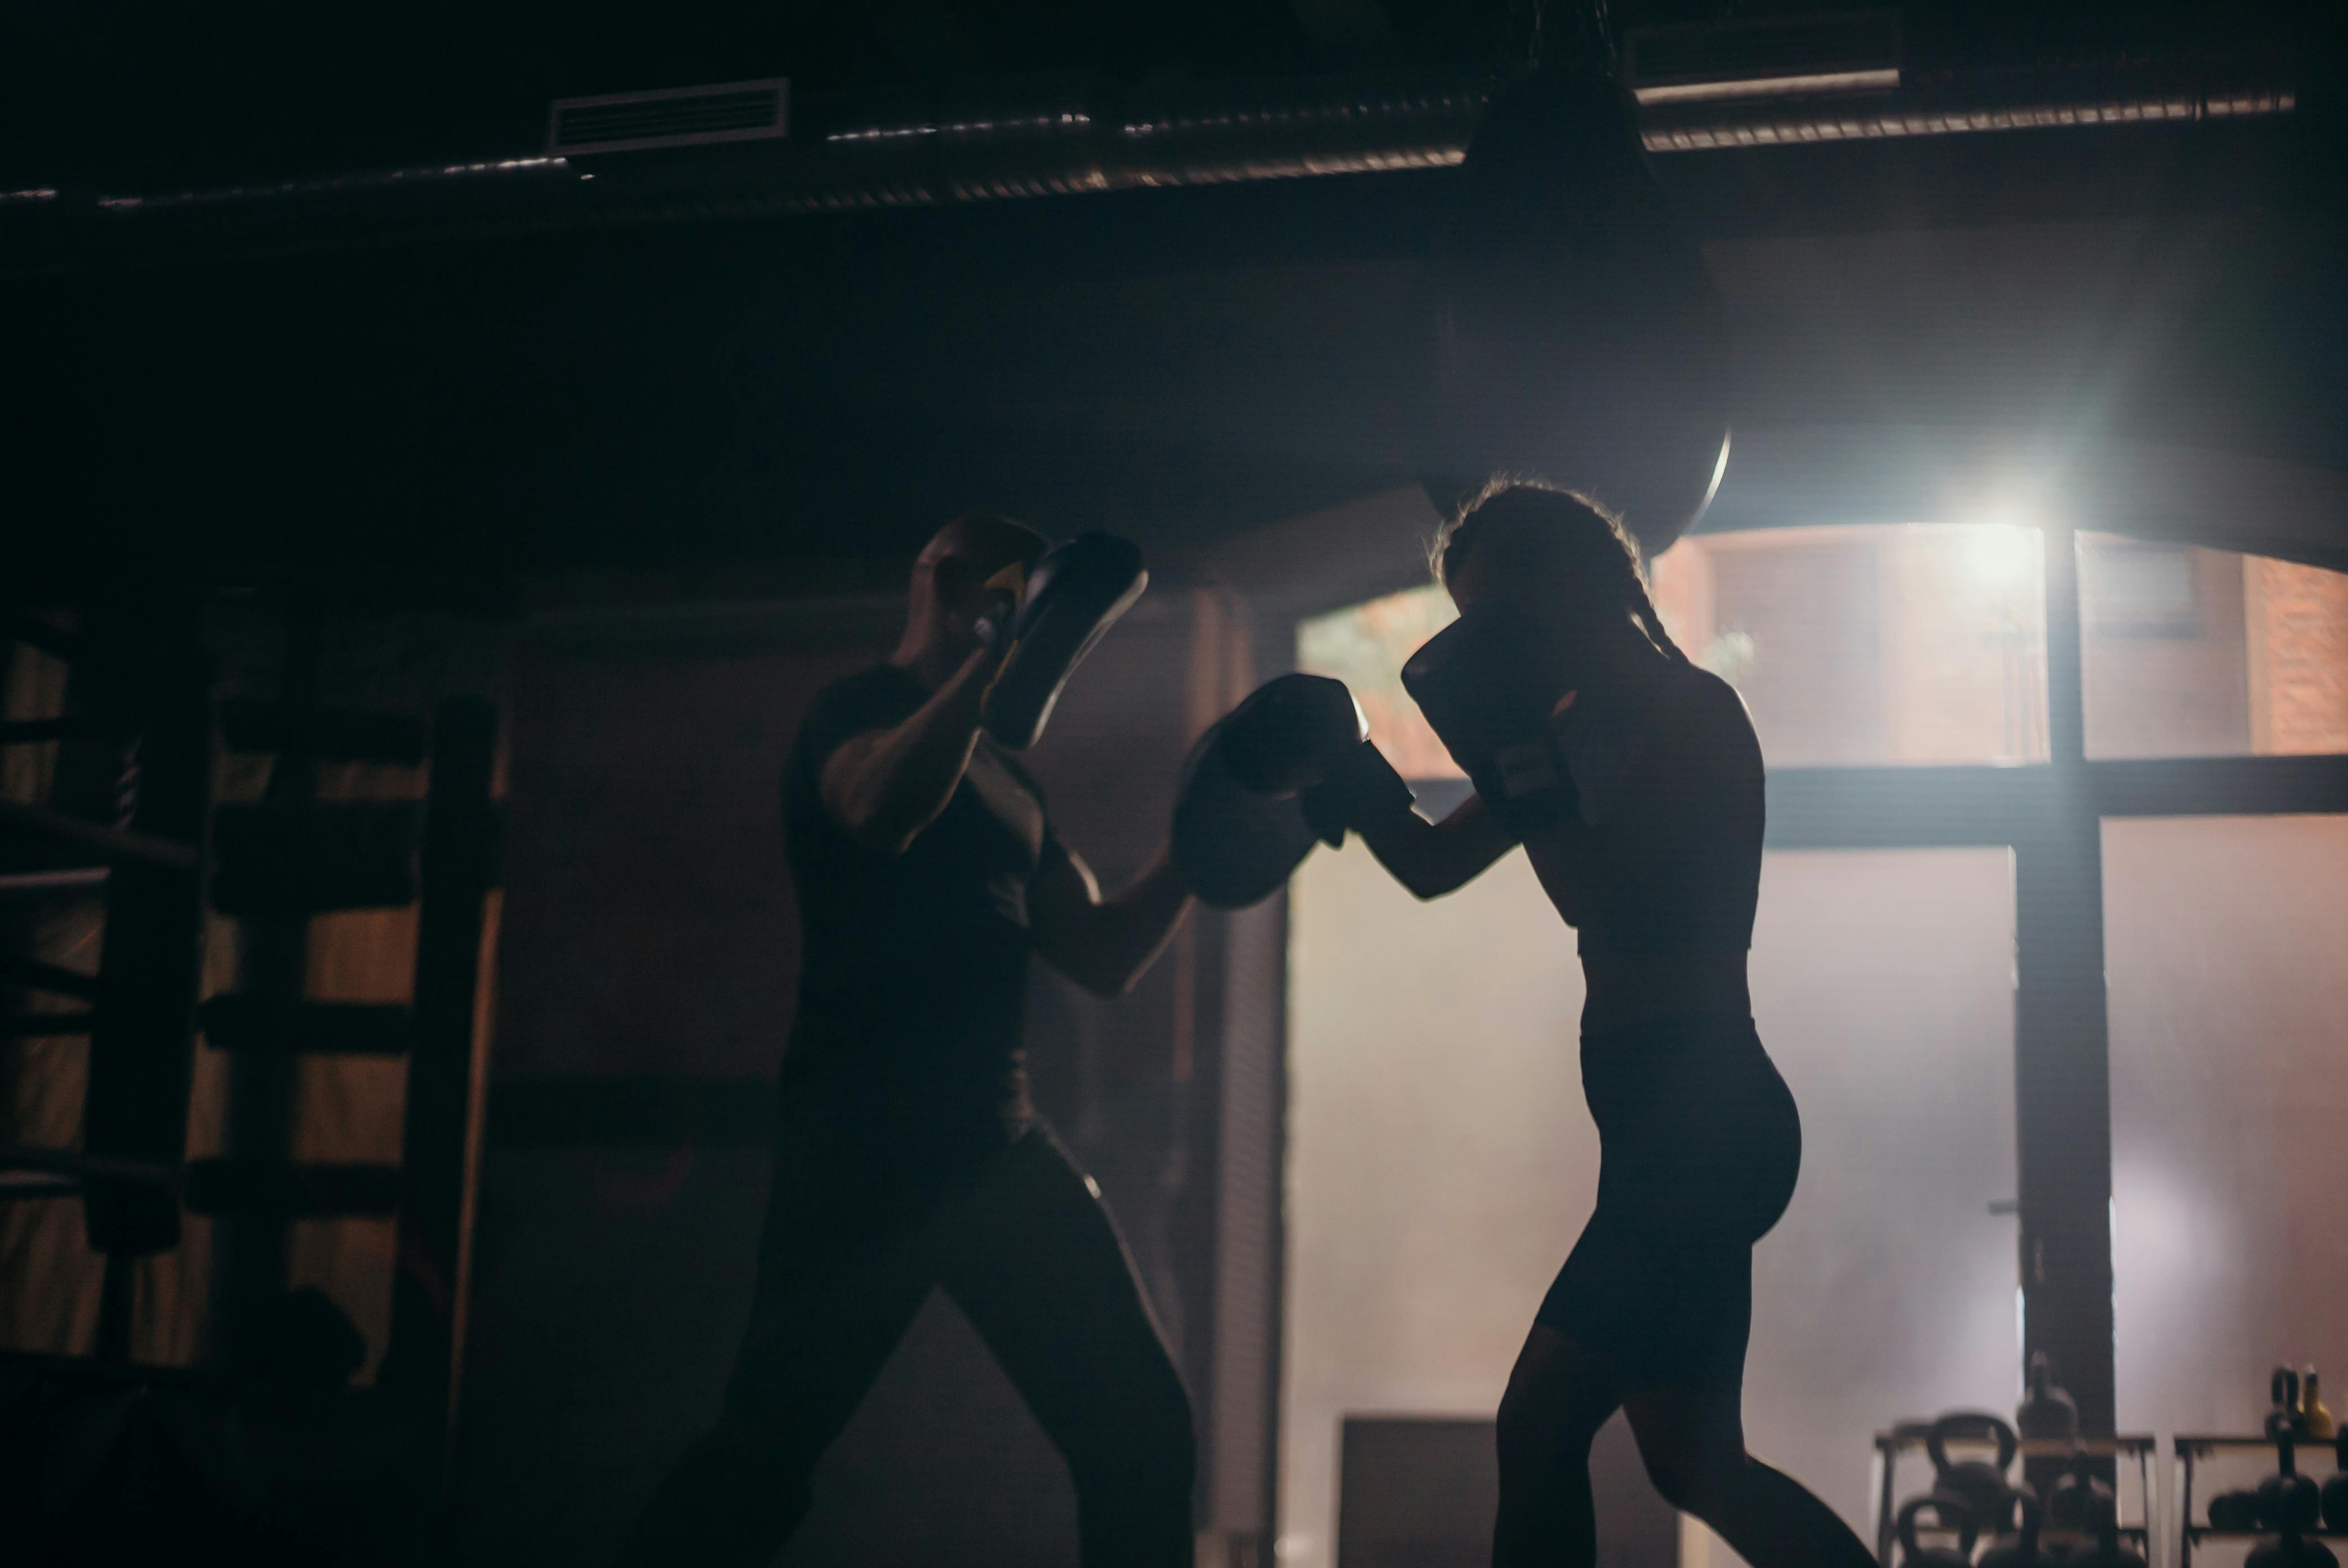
2000,557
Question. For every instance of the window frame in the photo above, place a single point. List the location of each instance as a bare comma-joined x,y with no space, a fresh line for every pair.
2050,815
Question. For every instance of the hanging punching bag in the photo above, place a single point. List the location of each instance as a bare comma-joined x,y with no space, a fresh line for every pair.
1575,332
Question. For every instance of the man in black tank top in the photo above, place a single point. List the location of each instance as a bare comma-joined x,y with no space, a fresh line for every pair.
909,1156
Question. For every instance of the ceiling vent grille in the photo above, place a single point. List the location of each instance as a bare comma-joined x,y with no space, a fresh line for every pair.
677,116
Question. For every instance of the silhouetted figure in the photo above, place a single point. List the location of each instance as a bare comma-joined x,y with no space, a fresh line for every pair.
909,1155
1634,781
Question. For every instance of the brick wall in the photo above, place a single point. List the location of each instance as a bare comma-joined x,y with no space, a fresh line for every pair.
2299,656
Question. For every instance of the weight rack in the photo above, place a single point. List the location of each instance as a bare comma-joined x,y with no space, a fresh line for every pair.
131,820
1908,1439
126,820
2192,1449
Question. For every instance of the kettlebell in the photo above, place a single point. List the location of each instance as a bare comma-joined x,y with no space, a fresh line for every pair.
2046,1414
1950,1512
2021,1549
2291,1550
2077,1499
2288,1500
2107,1551
2335,1490
2236,1512
1981,1484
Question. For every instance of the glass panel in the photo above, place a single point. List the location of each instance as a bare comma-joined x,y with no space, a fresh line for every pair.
2229,1006
2198,652
1366,646
1884,984
1898,644
1441,1160
1440,1156
1911,643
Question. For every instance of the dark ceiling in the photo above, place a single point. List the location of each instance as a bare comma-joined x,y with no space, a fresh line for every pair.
138,93
803,397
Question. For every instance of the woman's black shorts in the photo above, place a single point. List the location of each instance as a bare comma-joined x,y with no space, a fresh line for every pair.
1700,1144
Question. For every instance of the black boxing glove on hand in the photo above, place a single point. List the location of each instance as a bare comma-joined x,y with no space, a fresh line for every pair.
1283,739
1360,789
1479,685
1241,826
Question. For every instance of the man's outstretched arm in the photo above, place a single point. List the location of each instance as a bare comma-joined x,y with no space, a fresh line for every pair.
1105,945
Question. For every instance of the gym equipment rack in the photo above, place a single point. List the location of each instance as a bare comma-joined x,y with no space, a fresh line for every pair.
2193,1450
2135,1451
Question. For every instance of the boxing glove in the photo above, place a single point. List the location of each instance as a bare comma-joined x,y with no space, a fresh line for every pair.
1074,596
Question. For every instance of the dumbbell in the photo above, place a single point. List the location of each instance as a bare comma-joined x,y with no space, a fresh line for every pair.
2234,1511
2019,1549
2288,1500
1981,1484
1948,1511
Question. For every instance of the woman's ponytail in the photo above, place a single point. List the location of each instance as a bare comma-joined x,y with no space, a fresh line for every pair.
1642,605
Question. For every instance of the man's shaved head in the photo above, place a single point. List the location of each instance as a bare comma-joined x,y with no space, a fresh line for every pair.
986,542
949,588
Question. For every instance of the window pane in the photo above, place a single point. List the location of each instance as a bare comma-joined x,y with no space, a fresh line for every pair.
2230,1094
1883,985
2198,652
1366,646
1900,643
1862,645
1441,1159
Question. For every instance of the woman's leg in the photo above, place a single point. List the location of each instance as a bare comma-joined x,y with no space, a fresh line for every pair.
1703,1142
1692,1440
1558,1395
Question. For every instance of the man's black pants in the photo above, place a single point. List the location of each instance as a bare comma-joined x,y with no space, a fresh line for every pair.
853,1246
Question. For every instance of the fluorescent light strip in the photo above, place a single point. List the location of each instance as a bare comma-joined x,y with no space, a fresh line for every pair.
1874,79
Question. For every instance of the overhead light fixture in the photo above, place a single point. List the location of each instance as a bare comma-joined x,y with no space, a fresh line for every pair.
1881,79
1800,56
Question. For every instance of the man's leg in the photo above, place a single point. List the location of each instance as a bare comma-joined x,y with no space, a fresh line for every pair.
1040,1271
831,1307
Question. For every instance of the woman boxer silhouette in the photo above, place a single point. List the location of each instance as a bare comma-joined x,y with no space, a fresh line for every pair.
1634,781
